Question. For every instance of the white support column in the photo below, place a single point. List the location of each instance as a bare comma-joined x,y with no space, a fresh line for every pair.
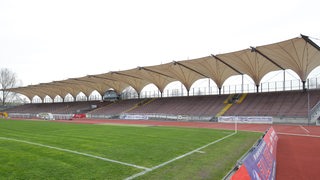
242,90
284,80
209,90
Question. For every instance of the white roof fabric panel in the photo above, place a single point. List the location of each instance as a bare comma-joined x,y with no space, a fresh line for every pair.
250,63
295,54
178,72
211,68
159,79
104,80
298,54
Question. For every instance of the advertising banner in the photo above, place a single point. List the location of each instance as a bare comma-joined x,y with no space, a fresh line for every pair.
134,116
242,174
271,140
260,162
246,119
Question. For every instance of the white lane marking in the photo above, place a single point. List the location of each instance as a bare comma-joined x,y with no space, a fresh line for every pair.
75,152
179,157
304,129
303,135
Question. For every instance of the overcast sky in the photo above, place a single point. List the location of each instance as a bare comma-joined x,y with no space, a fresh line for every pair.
43,41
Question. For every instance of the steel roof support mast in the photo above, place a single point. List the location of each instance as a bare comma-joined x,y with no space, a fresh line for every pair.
306,38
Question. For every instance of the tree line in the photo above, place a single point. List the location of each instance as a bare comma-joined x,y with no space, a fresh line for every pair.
8,80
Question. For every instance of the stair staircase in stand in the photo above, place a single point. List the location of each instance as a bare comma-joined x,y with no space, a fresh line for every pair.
232,99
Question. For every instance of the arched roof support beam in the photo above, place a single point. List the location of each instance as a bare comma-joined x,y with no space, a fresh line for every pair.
265,56
137,83
306,38
68,89
122,74
42,93
157,77
155,72
233,68
50,91
113,83
180,64
95,76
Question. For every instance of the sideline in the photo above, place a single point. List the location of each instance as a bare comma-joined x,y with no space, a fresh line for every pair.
179,157
74,152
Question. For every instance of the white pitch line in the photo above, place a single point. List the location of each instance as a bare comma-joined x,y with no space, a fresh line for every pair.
179,157
304,129
202,152
75,152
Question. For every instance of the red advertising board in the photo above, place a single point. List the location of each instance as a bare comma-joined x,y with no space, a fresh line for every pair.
260,163
271,140
242,173
78,116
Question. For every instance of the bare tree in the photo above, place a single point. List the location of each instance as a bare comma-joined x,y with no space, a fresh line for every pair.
8,79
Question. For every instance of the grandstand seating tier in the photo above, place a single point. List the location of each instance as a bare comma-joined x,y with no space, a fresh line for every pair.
277,104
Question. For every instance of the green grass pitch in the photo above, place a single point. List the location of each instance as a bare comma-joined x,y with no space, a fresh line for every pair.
51,150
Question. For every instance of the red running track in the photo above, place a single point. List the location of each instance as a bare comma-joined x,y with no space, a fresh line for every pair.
298,146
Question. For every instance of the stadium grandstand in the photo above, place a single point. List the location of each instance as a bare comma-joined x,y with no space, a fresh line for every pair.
122,94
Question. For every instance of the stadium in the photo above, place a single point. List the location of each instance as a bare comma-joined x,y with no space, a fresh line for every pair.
154,123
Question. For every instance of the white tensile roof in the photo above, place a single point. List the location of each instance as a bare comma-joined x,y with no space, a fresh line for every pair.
299,54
